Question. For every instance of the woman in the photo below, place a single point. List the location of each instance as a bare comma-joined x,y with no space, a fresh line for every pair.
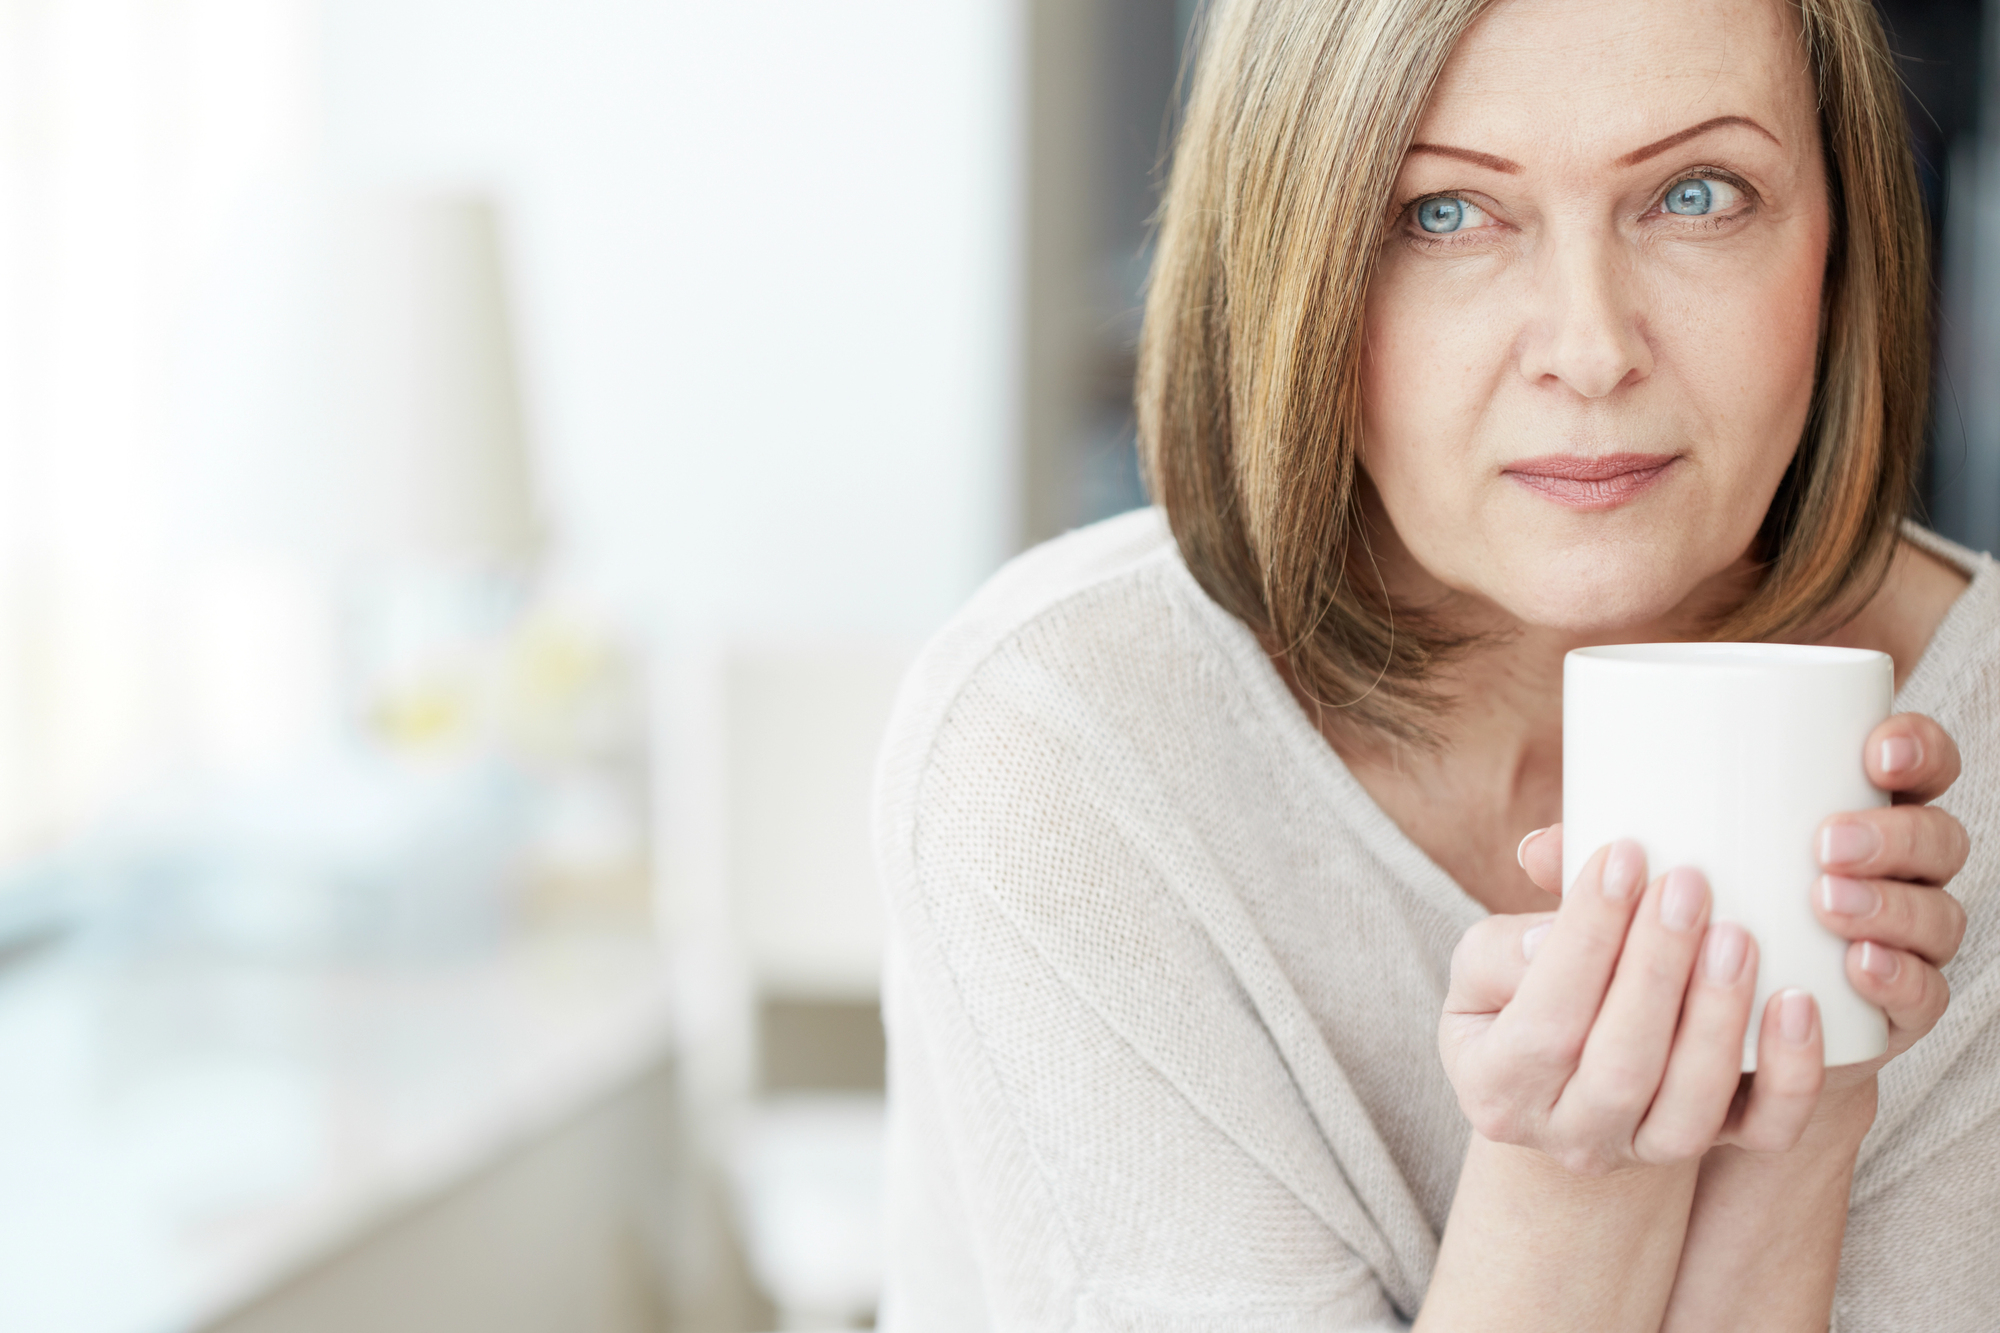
1478,333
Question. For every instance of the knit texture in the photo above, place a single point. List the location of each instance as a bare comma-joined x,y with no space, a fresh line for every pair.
1163,984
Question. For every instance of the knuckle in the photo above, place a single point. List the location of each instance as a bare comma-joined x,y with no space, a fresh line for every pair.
1494,1123
1494,1115
1940,748
1900,912
1624,1092
1935,995
1661,970
1461,957
1935,839
1613,1077
1904,832
1603,934
1960,846
1586,1160
1543,1043
1468,958
1916,989
1666,1146
1954,928
1770,1137
1477,943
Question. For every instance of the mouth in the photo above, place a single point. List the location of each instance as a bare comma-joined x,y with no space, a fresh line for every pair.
1578,481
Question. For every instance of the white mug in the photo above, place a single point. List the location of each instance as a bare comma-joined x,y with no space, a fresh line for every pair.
1726,757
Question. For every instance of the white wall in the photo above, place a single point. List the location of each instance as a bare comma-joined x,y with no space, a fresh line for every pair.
767,261
766,252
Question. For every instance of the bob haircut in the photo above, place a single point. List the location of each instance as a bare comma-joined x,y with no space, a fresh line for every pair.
1249,362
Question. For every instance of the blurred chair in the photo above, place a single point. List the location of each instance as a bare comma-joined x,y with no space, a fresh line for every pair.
806,1176
768,752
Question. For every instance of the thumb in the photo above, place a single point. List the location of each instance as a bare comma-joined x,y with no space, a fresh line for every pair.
1541,855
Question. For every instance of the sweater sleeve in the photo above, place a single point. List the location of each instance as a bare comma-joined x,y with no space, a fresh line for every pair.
1922,1249
1048,1171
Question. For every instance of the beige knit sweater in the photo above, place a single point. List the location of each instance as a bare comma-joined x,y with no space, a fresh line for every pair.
1163,987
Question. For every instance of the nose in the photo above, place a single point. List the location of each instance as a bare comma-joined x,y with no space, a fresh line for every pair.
1586,330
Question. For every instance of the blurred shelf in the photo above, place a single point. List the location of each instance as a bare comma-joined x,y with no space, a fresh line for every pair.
179,1139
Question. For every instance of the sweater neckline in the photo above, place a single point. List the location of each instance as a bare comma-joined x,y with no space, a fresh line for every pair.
1971,618
1967,623
1350,801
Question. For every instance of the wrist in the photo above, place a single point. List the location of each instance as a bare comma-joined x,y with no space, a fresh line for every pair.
1535,1171
1531,1244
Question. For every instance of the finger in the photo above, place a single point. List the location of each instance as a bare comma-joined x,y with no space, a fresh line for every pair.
1910,991
1541,855
1487,965
1918,918
1626,1053
1545,1026
1706,1064
1790,1072
1916,842
1911,756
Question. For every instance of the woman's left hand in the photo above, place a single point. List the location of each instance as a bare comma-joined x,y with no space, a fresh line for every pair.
1884,883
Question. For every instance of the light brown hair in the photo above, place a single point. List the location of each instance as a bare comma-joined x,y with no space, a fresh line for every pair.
1249,363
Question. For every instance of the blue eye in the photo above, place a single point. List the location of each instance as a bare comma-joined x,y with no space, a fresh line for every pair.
1698,196
1440,215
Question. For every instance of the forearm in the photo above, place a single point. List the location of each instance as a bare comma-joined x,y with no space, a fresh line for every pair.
1763,1243
1530,1245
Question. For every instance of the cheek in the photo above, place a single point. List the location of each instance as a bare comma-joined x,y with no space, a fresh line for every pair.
1427,374
1745,353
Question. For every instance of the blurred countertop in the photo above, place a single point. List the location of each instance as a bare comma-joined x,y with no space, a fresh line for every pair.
180,1135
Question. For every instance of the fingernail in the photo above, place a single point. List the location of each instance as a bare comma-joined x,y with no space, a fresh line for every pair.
1848,897
1521,848
1681,899
1846,841
1532,940
1624,869
1723,953
1795,1016
1900,753
1878,962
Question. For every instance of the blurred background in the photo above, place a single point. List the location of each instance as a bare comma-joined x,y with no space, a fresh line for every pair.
472,473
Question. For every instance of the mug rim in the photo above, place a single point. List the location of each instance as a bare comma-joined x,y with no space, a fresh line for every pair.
1741,656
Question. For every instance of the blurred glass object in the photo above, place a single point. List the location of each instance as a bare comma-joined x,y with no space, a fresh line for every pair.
353,855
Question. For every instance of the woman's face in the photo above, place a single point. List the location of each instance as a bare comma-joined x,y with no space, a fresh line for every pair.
1591,335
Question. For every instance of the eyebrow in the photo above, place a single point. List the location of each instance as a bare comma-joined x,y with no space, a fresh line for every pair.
1486,160
1631,159
1658,146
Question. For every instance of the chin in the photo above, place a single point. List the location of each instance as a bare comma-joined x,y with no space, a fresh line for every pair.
1596,594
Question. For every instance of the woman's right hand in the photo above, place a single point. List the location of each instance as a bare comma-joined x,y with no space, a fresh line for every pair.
1609,1033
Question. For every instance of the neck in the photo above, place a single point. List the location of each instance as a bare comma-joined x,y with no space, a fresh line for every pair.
1494,769
1502,718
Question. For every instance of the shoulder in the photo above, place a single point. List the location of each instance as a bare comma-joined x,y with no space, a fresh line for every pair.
1109,563
1064,681
1956,676
1069,612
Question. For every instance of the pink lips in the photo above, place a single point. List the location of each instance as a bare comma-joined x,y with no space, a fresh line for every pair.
1577,481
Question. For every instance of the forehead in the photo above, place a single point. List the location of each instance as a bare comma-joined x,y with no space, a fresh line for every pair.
1533,77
